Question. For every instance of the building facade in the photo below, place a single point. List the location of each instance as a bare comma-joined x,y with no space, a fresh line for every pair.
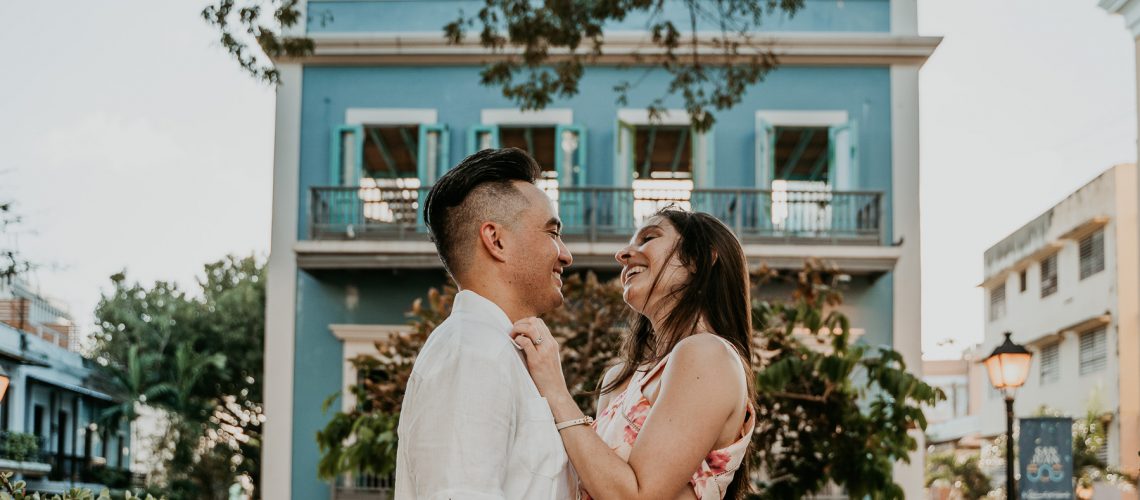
821,159
1066,285
1130,11
54,398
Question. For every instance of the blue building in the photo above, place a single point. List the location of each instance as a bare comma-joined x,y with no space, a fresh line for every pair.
54,398
821,159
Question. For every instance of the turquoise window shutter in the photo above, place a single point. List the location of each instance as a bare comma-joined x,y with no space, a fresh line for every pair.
760,210
704,159
843,149
765,153
843,152
480,137
346,160
624,135
432,155
704,170
570,154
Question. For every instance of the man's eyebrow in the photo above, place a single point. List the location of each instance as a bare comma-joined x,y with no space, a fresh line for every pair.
556,222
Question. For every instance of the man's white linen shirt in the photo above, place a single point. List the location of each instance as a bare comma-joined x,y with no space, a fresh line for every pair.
473,425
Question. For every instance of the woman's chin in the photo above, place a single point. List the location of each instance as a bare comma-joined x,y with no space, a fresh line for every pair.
633,300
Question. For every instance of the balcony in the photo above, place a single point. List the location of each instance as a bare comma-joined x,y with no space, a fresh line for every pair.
383,227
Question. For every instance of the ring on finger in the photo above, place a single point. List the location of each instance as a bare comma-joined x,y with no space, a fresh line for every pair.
538,341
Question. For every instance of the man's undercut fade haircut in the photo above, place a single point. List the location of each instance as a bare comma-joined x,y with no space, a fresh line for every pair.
479,189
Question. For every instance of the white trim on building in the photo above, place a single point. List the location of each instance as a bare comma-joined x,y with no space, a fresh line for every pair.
281,289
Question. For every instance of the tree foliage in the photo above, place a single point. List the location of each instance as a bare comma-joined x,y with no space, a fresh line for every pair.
196,359
542,49
830,410
963,475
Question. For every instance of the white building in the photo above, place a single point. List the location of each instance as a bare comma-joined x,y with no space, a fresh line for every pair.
1066,285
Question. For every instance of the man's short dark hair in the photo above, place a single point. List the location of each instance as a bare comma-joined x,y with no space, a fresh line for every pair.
478,189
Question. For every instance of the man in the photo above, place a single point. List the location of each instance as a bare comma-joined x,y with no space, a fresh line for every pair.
473,425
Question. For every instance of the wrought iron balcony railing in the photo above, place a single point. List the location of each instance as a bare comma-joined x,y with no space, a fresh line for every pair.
605,213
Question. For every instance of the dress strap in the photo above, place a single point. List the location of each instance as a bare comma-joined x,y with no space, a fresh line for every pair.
652,373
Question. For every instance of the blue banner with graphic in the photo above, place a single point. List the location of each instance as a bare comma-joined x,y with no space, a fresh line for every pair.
1045,458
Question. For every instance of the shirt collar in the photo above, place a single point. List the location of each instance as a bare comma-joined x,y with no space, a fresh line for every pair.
469,302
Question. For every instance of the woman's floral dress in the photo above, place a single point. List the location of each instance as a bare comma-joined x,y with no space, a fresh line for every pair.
620,422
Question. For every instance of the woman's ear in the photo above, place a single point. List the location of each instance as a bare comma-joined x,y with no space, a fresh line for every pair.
491,236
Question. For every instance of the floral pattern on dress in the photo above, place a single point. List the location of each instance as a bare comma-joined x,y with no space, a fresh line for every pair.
620,423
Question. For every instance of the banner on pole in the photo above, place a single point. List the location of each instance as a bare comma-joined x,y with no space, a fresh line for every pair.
1045,458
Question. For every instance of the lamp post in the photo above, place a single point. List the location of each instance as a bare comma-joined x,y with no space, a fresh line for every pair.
1008,368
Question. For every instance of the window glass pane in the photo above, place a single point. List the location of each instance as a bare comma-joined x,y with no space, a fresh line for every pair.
802,154
662,152
390,151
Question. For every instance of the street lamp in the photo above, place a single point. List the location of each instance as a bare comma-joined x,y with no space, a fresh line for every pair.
1008,367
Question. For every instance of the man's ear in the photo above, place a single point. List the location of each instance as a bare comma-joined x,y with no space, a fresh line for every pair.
491,236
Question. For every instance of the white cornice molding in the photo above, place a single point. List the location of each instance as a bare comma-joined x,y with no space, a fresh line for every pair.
587,255
1129,9
366,333
430,48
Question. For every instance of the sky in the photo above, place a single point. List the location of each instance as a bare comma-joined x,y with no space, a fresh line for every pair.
130,140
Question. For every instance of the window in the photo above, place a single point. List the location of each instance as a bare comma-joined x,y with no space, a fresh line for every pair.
662,169
1094,352
1092,254
391,155
1049,276
664,160
809,161
997,302
1022,280
1050,363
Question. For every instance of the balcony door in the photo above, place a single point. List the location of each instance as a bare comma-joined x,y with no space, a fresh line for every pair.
659,162
388,156
804,159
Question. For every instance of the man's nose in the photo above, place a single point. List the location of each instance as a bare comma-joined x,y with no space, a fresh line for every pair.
564,255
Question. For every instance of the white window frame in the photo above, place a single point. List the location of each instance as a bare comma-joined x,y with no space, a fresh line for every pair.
390,116
703,150
512,116
792,118
358,340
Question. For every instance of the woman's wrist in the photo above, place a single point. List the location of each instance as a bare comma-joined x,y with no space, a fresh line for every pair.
563,407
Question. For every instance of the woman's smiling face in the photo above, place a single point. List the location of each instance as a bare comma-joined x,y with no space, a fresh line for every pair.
651,269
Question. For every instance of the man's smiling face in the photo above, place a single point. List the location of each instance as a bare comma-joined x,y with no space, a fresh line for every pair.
539,256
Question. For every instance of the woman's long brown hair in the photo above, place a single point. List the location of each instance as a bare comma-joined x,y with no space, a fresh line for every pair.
717,291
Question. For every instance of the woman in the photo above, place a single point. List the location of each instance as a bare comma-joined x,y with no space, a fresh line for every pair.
675,418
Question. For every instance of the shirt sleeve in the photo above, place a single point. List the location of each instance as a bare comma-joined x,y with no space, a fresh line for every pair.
463,427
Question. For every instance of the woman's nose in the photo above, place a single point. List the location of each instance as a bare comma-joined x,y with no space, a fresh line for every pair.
622,255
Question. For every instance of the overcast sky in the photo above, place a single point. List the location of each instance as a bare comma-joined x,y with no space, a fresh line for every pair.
129,140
